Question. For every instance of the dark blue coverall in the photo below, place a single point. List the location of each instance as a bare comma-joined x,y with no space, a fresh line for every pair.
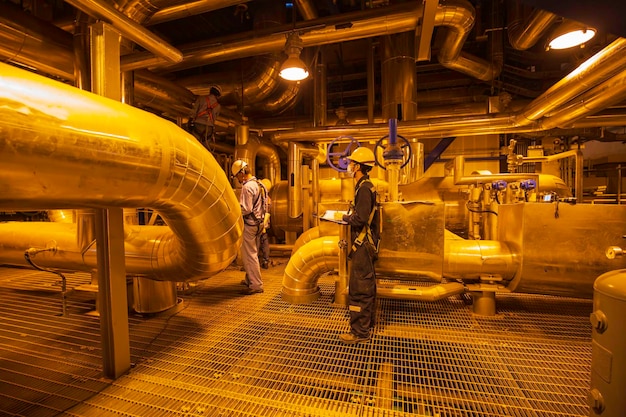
362,285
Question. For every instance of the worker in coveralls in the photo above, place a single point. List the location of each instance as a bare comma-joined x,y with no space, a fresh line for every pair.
252,203
202,119
365,233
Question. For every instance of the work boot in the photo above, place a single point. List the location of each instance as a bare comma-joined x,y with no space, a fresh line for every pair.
351,339
265,264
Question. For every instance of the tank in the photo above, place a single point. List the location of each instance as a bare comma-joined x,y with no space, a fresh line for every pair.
608,363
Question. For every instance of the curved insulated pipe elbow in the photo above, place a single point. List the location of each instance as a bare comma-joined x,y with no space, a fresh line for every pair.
63,148
306,265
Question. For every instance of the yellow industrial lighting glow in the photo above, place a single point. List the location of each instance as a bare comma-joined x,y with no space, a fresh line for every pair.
293,69
570,34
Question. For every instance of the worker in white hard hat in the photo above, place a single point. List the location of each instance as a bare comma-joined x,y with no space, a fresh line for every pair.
253,202
365,234
202,119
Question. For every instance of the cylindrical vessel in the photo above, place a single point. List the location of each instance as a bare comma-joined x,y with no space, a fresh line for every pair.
608,364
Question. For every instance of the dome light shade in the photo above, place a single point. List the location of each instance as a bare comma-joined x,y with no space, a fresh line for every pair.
293,69
570,34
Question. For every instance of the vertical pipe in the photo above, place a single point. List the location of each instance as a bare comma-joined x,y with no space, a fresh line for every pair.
306,200
393,159
294,181
242,134
81,53
320,92
619,184
399,91
371,86
315,191
109,223
579,176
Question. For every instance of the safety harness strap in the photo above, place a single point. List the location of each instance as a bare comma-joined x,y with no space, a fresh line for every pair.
208,109
366,232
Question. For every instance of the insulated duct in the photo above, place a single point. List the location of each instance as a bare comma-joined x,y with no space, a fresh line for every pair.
63,148
456,16
525,33
603,65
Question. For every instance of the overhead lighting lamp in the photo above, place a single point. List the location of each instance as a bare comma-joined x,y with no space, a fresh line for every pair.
570,34
293,69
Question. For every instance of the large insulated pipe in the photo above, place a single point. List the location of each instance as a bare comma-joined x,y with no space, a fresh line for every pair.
306,265
63,148
463,259
23,39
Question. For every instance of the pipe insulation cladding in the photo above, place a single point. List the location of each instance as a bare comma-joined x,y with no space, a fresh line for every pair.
64,148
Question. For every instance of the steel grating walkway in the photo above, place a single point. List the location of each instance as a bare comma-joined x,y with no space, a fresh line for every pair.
223,354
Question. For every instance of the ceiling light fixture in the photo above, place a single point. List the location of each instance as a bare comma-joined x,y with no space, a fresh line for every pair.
569,34
293,69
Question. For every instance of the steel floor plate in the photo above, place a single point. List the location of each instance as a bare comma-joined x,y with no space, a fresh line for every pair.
220,353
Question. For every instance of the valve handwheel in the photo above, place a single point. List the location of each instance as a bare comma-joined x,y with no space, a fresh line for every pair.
338,160
405,147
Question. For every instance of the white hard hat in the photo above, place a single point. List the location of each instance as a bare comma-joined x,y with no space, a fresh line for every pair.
238,165
217,88
362,155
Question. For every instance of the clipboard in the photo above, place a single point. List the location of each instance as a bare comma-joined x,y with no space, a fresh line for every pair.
334,216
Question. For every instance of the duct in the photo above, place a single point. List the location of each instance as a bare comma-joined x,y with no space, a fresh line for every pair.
251,90
82,59
64,148
596,69
129,29
30,42
480,259
248,149
324,229
172,91
422,293
187,9
34,43
306,265
457,15
248,87
524,34
270,153
321,255
161,94
610,92
457,18
320,91
279,103
294,176
306,9
371,79
399,99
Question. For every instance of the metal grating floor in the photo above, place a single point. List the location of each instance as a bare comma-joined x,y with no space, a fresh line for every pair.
224,354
